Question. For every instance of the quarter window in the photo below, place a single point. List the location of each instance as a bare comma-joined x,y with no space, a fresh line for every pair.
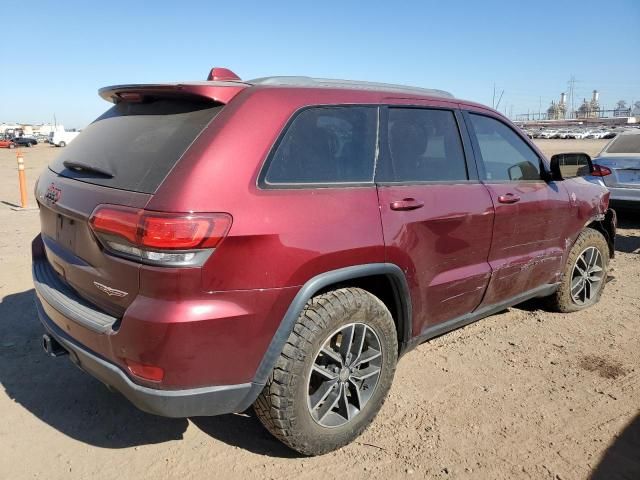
326,145
424,145
505,155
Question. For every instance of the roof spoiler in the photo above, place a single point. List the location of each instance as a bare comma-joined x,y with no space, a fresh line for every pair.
221,86
220,92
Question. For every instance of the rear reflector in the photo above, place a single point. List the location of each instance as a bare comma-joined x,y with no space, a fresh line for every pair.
158,237
146,372
600,171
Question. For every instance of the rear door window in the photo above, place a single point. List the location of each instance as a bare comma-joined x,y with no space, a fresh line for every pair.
505,155
424,145
137,144
326,145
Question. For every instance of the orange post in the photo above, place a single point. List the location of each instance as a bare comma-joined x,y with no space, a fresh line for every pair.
22,179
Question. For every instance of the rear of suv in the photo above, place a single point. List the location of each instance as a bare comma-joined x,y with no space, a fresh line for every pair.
208,246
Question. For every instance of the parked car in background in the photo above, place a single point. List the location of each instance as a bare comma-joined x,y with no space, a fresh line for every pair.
7,142
200,267
62,139
548,133
25,141
618,168
576,134
564,134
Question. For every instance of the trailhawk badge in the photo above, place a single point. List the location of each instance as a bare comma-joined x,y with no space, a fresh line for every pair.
112,292
53,194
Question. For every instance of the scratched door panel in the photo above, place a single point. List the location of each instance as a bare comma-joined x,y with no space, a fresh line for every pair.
528,240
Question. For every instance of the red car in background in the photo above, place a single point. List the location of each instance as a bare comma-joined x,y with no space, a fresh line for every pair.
6,142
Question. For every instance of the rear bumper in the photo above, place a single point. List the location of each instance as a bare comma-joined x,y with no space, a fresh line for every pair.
209,346
204,401
629,196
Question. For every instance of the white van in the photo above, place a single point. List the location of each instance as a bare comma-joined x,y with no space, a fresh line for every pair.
61,139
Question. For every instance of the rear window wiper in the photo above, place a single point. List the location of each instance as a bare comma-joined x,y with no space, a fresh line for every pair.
85,167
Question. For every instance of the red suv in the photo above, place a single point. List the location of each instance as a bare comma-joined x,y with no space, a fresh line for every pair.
208,246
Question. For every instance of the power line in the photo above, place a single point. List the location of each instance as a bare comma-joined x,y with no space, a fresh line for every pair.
498,104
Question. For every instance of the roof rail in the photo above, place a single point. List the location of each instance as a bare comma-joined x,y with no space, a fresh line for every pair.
353,84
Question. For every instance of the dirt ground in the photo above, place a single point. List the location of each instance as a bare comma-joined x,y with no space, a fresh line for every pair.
523,394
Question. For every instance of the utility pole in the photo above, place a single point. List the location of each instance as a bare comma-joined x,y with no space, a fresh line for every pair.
540,109
572,88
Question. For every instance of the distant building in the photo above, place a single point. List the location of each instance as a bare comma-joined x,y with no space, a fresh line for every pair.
590,109
47,128
622,110
558,111
27,129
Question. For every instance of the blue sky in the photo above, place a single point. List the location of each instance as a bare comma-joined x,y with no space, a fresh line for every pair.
528,49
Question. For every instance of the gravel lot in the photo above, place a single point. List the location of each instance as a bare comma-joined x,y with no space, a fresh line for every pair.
522,394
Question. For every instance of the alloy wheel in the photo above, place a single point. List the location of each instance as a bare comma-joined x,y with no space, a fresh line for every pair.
344,375
587,276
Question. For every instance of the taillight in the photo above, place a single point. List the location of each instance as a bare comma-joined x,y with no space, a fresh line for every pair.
118,221
159,238
600,171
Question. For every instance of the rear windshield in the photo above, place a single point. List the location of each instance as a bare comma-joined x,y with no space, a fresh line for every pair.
135,144
625,144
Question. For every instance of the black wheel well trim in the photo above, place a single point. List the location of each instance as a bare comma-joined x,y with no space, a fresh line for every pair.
316,284
605,223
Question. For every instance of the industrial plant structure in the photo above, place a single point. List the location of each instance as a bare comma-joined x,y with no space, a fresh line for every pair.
589,111
558,110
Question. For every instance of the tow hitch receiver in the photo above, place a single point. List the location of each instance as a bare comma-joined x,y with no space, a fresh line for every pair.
52,347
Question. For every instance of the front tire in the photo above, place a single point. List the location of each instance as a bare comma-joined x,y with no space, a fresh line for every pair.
585,273
62,144
334,372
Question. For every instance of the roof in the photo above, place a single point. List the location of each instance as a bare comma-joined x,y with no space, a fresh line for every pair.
309,82
218,90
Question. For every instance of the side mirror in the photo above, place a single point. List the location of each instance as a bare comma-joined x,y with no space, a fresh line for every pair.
570,165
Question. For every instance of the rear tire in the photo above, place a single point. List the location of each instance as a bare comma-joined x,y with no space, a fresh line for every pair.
11,145
585,273
316,402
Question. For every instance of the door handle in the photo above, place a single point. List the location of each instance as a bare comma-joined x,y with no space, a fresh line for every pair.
508,198
407,204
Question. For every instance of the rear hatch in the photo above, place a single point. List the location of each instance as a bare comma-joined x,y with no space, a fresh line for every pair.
622,157
625,171
120,159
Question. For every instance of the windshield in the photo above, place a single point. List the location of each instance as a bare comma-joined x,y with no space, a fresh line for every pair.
136,143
